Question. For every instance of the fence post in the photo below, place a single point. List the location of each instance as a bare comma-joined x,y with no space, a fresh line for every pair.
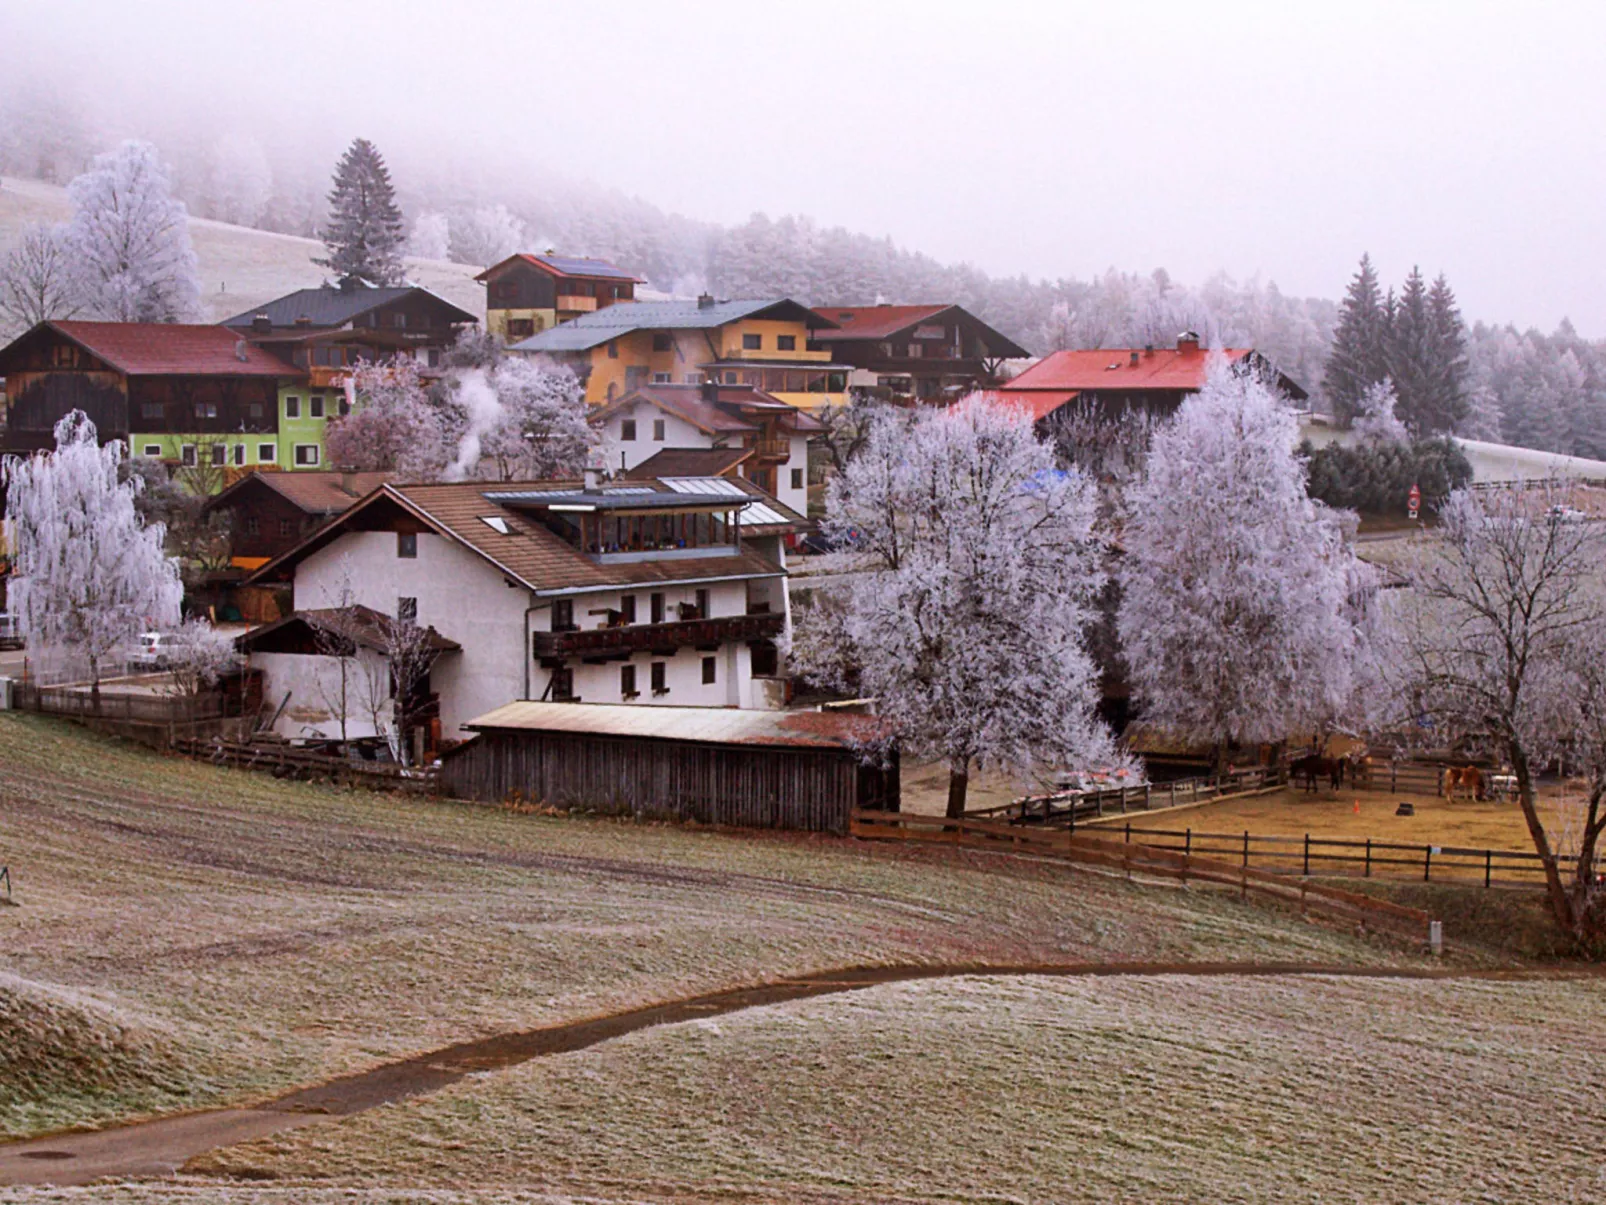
1394,776
1307,855
1436,937
1427,863
1187,847
1246,850
1147,796
1129,832
1368,858
1173,786
1488,865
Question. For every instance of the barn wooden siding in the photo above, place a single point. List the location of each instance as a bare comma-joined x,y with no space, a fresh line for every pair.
749,786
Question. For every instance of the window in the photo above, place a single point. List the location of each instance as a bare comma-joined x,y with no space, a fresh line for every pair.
254,410
662,342
797,479
307,455
239,454
287,527
785,342
915,351
702,604
150,410
399,320
205,409
343,407
496,523
64,355
627,608
186,455
407,610
752,342
267,453
694,378
658,429
613,351
253,526
292,407
663,378
563,615
627,682
434,357
660,678
562,686
708,671
220,455
315,406
153,450
656,603
627,429
407,545
732,379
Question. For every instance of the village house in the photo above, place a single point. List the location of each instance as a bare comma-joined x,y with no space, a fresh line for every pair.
197,397
763,345
527,294
909,353
1151,379
324,332
642,592
270,513
711,430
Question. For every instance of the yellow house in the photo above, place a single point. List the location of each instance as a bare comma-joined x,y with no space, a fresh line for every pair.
764,344
527,294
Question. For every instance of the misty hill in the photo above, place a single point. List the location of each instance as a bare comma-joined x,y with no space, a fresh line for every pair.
239,266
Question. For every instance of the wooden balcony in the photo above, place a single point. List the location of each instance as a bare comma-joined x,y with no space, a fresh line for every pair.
773,449
644,637
575,303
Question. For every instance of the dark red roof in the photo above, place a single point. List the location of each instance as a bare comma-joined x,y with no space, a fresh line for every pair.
1112,368
160,349
875,321
722,413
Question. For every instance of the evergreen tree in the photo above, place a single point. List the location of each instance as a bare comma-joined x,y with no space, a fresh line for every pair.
1447,340
365,233
1409,353
1357,359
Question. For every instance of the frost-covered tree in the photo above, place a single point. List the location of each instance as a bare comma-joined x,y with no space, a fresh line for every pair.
198,656
1237,619
1359,356
485,235
968,624
524,420
391,427
1502,609
37,281
129,240
87,575
364,233
1583,817
1376,420
239,180
431,237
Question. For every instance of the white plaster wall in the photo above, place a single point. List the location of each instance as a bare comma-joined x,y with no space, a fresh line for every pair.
732,685
798,500
677,434
724,598
459,594
313,684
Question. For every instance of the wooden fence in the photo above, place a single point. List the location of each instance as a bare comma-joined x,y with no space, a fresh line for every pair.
1084,848
1073,807
1362,859
288,761
77,702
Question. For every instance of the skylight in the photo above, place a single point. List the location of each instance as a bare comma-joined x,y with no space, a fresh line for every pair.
496,523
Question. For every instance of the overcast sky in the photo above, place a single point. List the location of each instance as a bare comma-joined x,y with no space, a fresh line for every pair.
1040,138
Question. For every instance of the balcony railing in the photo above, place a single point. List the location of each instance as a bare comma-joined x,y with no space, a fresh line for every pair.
641,637
574,301
773,449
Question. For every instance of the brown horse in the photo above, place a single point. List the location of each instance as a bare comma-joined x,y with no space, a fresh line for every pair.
1456,778
1314,766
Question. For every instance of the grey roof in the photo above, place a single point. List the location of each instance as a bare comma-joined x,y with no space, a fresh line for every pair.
634,498
623,317
574,265
714,725
329,306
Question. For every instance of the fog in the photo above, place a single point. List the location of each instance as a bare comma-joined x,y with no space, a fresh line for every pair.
1047,139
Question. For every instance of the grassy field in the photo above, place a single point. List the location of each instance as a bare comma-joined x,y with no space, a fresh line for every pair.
1025,1090
190,935
238,267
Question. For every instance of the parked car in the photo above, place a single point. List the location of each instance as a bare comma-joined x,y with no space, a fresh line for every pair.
10,637
1566,514
153,654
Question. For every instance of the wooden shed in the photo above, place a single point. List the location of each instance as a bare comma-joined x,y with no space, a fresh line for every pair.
757,769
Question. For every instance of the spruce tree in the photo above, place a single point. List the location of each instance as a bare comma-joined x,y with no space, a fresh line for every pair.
1357,359
1447,337
365,233
1410,355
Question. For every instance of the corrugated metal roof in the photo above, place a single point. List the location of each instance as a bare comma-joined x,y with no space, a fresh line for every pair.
640,498
758,513
329,306
623,317
709,725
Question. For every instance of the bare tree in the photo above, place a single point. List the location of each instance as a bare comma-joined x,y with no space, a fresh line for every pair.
198,656
1501,608
37,282
411,652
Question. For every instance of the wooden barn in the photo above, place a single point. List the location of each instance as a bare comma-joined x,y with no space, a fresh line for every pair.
715,765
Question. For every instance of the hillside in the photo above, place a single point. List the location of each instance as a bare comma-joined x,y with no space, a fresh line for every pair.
239,267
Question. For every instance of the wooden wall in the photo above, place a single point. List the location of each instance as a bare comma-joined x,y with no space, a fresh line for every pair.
801,788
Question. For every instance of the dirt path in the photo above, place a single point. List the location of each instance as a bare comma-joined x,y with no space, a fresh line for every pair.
161,1147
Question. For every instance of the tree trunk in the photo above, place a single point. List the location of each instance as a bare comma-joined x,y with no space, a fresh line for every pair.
958,783
1594,822
1561,905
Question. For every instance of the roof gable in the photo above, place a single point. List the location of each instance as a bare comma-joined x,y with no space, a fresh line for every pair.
564,266
331,306
868,323
626,317
165,349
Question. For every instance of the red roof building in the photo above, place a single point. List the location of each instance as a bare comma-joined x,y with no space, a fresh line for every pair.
929,353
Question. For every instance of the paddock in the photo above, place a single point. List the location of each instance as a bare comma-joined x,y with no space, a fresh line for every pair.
752,769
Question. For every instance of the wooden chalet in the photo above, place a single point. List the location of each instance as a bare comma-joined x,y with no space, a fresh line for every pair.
1151,379
273,512
757,769
926,353
527,294
166,389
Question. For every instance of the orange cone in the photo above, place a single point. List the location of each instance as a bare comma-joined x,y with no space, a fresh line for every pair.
1357,807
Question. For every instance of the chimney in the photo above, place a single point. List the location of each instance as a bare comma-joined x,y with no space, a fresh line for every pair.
303,320
1148,349
348,482
242,351
1133,359
592,479
261,324
1188,342
705,301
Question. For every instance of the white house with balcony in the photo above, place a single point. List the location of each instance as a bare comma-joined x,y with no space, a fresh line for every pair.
645,592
